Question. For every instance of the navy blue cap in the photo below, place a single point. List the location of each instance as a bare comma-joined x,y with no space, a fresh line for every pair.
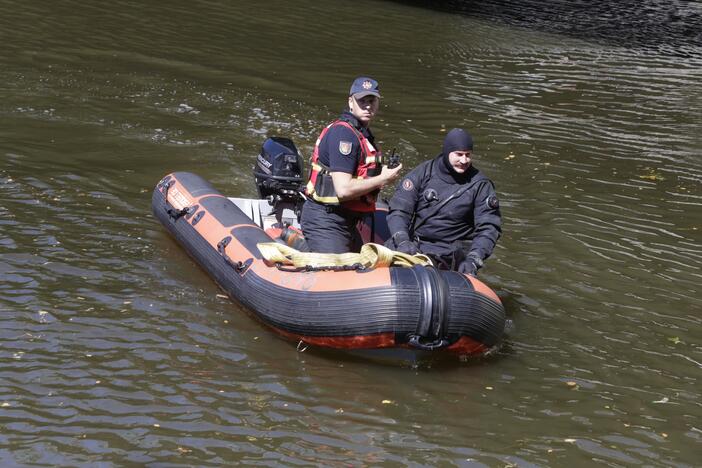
457,140
364,86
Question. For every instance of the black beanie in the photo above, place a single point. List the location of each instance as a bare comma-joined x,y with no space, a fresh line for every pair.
457,140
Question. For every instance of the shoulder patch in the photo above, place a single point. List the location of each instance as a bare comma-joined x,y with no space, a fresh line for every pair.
407,185
345,147
492,202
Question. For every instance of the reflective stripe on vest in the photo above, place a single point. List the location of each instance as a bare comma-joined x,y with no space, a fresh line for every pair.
320,186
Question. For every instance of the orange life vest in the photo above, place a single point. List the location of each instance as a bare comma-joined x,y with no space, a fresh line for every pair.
320,186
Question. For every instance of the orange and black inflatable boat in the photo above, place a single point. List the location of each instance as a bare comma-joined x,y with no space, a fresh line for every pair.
416,307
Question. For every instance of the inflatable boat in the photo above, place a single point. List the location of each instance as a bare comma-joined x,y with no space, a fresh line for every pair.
351,307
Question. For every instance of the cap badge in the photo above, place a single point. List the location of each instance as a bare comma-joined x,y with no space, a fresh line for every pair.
345,147
367,85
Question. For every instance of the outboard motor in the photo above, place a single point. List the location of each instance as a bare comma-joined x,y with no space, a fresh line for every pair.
278,174
278,171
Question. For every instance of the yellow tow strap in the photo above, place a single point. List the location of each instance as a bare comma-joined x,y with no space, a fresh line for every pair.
371,256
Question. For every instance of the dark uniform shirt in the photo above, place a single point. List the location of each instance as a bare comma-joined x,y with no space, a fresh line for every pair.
340,149
330,228
469,221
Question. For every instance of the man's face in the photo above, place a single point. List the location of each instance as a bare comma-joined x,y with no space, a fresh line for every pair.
460,160
365,108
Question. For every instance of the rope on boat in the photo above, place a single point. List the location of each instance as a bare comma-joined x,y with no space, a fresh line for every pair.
371,256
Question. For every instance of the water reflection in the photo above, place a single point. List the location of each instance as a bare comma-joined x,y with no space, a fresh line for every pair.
669,27
117,349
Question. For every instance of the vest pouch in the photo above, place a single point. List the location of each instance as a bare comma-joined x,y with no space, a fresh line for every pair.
324,189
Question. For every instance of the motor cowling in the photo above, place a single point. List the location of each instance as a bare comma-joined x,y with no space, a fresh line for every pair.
278,169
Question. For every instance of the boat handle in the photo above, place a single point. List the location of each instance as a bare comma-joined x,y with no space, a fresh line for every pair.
240,267
416,342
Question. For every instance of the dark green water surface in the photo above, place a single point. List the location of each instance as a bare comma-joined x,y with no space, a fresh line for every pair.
117,350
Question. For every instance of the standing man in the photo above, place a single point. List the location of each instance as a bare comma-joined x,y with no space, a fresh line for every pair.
446,208
346,175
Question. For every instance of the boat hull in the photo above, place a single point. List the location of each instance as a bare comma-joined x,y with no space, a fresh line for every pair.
418,307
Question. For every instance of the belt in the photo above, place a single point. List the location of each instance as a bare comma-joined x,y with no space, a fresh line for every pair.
338,209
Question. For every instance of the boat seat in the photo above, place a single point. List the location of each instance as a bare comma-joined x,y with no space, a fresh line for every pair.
264,214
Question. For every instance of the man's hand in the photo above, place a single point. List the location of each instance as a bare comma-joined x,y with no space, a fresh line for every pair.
389,174
403,243
470,265
349,188
408,247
